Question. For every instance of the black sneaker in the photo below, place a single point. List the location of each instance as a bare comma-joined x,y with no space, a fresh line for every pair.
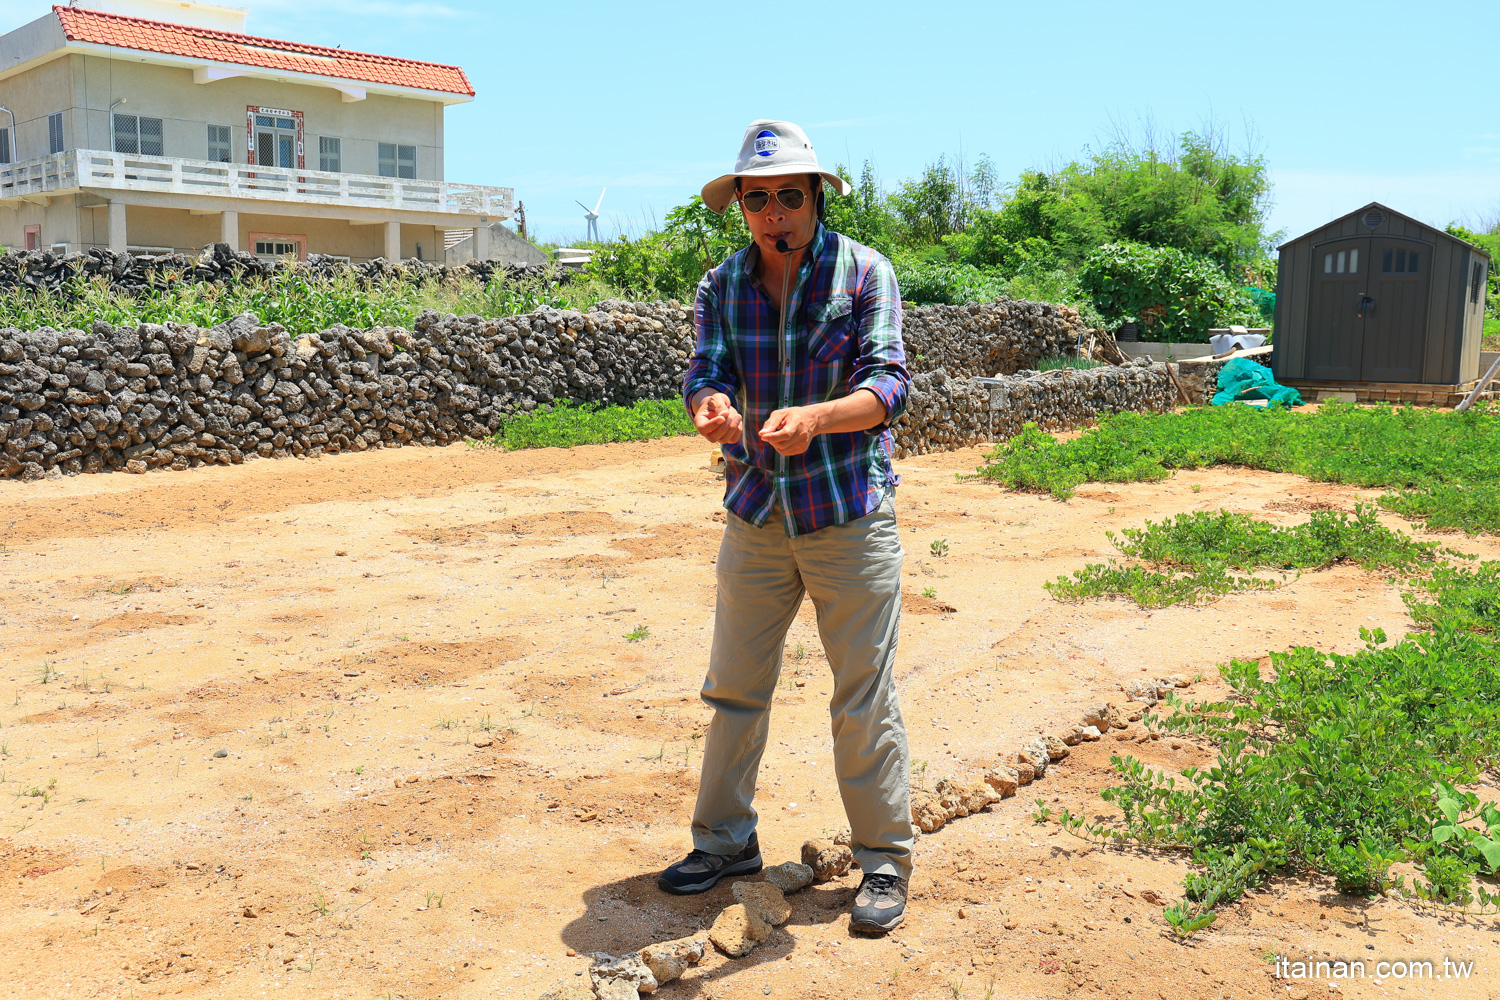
879,905
700,871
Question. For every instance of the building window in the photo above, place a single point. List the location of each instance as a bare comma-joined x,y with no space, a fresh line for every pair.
278,245
276,141
397,161
219,150
4,145
54,133
330,153
136,134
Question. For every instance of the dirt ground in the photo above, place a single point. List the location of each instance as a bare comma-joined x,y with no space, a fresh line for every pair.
375,724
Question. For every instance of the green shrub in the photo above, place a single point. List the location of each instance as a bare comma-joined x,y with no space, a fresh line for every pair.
567,426
298,302
1175,296
947,284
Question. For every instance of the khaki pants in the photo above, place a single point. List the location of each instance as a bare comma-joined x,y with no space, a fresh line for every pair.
852,571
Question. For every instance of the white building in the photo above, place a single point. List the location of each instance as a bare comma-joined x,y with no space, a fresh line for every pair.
156,124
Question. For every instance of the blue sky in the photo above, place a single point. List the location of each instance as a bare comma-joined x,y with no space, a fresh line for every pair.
1348,102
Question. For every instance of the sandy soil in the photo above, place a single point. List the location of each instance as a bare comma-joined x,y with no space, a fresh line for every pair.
448,773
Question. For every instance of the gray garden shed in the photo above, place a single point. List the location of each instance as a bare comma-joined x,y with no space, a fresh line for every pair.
1376,296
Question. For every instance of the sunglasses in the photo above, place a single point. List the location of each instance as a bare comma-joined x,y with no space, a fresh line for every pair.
790,199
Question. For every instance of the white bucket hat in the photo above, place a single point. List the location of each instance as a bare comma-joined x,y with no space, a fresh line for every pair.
770,149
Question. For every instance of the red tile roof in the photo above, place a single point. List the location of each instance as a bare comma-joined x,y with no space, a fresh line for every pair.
81,25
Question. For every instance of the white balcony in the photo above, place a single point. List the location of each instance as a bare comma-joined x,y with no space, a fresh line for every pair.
78,170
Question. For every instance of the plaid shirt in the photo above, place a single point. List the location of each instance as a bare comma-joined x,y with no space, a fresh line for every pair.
843,334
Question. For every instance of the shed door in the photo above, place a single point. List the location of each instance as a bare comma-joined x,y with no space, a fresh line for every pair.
1396,324
1336,325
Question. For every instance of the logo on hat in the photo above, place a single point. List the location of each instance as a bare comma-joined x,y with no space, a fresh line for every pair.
766,144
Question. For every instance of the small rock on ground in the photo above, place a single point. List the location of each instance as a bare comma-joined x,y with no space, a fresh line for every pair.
668,960
611,975
764,900
790,876
828,861
736,931
1003,779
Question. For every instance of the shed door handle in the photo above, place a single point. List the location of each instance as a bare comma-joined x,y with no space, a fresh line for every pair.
1365,303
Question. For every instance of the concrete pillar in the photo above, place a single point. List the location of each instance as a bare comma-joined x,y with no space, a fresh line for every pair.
117,241
393,241
229,229
482,242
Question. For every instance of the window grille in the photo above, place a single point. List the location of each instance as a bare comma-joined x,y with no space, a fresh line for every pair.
54,132
151,137
219,149
136,134
330,153
397,161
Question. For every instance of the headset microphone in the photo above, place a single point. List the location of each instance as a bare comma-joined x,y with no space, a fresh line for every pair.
781,246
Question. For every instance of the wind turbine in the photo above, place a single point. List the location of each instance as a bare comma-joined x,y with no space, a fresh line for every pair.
591,216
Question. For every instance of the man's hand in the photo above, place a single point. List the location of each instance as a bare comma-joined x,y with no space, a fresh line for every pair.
791,430
716,419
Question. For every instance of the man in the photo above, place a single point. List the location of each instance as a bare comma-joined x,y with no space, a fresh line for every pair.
798,373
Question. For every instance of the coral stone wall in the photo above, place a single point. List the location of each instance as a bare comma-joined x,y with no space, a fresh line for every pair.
176,396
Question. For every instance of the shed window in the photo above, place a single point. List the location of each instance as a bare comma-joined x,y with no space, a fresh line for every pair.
1478,282
330,153
1354,261
1398,261
1328,263
397,161
219,150
54,132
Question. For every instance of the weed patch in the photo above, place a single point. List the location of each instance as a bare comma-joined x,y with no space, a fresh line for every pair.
1443,468
1188,558
1337,765
567,426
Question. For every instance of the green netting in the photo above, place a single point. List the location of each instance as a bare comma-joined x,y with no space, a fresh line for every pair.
1242,380
1264,301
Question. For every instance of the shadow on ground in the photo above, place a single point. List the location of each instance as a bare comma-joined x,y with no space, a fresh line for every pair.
629,914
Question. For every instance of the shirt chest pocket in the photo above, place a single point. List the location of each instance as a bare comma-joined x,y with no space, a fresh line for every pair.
832,335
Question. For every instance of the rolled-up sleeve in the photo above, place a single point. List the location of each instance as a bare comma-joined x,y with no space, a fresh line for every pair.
712,364
881,364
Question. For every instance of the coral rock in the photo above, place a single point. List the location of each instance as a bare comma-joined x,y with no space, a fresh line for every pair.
790,876
737,931
764,900
1003,779
828,861
668,960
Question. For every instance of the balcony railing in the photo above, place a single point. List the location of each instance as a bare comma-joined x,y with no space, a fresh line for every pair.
91,168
